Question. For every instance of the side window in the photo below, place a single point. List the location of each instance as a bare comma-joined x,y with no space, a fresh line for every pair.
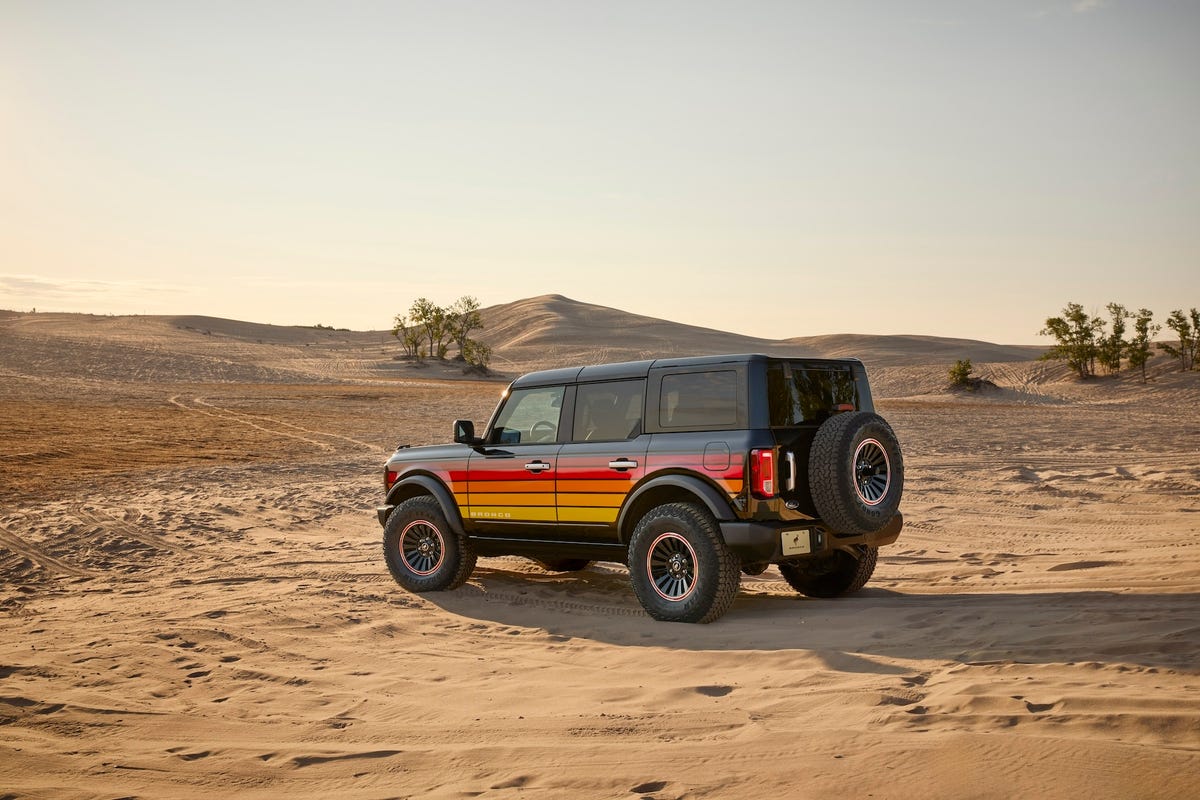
529,416
606,412
698,399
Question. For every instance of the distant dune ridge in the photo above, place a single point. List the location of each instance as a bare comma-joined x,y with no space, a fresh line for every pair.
550,330
567,328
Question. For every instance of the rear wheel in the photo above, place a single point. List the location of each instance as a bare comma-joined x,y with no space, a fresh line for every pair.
422,552
833,574
679,566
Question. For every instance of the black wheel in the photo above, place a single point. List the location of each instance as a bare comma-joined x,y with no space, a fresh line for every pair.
679,566
833,574
563,564
856,472
422,552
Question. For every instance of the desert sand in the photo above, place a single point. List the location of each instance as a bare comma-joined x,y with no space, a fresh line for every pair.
193,601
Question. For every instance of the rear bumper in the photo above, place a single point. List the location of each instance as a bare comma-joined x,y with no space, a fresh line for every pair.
755,542
383,512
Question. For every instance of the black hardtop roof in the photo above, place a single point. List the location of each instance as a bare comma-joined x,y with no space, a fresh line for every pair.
640,369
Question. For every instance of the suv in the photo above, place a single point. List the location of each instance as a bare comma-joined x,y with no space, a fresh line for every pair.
688,470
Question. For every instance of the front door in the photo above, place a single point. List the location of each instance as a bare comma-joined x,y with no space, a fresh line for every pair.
510,480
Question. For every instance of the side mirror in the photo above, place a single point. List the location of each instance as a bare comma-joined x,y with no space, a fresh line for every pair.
464,432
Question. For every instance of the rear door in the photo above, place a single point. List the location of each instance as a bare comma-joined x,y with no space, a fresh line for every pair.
604,458
510,481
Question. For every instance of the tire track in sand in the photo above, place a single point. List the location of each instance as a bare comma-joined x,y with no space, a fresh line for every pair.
21,547
201,401
252,421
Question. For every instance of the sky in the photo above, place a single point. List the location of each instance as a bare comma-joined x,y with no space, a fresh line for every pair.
959,168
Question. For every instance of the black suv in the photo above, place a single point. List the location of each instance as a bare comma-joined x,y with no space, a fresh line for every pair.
688,470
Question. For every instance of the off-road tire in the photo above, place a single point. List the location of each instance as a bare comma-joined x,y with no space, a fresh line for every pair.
856,472
679,566
833,574
422,551
562,564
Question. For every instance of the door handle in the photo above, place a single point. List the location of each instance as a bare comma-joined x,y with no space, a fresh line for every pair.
622,464
537,466
790,484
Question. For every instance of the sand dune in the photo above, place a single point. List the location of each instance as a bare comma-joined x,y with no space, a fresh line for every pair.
193,601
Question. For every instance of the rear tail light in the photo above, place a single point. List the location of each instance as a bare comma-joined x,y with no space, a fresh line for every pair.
389,478
762,472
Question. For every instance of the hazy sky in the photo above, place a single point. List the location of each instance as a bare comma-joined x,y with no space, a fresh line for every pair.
958,168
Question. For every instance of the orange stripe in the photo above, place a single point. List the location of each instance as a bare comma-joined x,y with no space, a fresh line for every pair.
591,500
622,485
512,499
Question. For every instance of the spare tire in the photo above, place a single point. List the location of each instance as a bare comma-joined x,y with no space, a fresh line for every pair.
856,472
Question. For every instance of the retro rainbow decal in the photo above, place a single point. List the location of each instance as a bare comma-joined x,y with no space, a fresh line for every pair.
509,493
574,489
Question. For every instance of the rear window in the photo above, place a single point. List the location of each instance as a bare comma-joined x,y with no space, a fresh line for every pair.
800,394
698,400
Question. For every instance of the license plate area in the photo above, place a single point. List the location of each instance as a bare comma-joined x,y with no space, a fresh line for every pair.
796,543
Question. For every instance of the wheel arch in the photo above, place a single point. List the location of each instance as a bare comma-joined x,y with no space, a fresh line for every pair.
427,485
672,488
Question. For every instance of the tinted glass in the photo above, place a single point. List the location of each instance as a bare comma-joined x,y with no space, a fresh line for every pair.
698,399
608,411
529,415
802,394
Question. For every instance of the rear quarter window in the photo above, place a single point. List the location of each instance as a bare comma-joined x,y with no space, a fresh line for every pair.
699,399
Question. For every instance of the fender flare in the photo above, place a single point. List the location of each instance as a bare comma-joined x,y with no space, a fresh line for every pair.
431,486
717,504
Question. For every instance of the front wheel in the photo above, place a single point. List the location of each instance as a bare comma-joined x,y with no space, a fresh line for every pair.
422,552
679,566
833,574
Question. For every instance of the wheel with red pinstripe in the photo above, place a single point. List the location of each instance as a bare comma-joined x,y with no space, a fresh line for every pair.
422,552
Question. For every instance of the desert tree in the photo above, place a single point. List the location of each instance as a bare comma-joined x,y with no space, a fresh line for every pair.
1075,334
1187,328
432,319
1113,346
1144,331
410,336
477,354
462,318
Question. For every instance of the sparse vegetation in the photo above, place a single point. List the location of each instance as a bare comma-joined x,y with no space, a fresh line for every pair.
1114,346
962,379
1081,341
320,327
1076,334
428,330
1187,328
960,373
1144,331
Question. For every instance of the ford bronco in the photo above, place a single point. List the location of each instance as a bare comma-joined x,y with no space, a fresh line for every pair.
690,471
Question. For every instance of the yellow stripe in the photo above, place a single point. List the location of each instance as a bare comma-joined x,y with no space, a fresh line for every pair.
606,515
597,500
513,513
